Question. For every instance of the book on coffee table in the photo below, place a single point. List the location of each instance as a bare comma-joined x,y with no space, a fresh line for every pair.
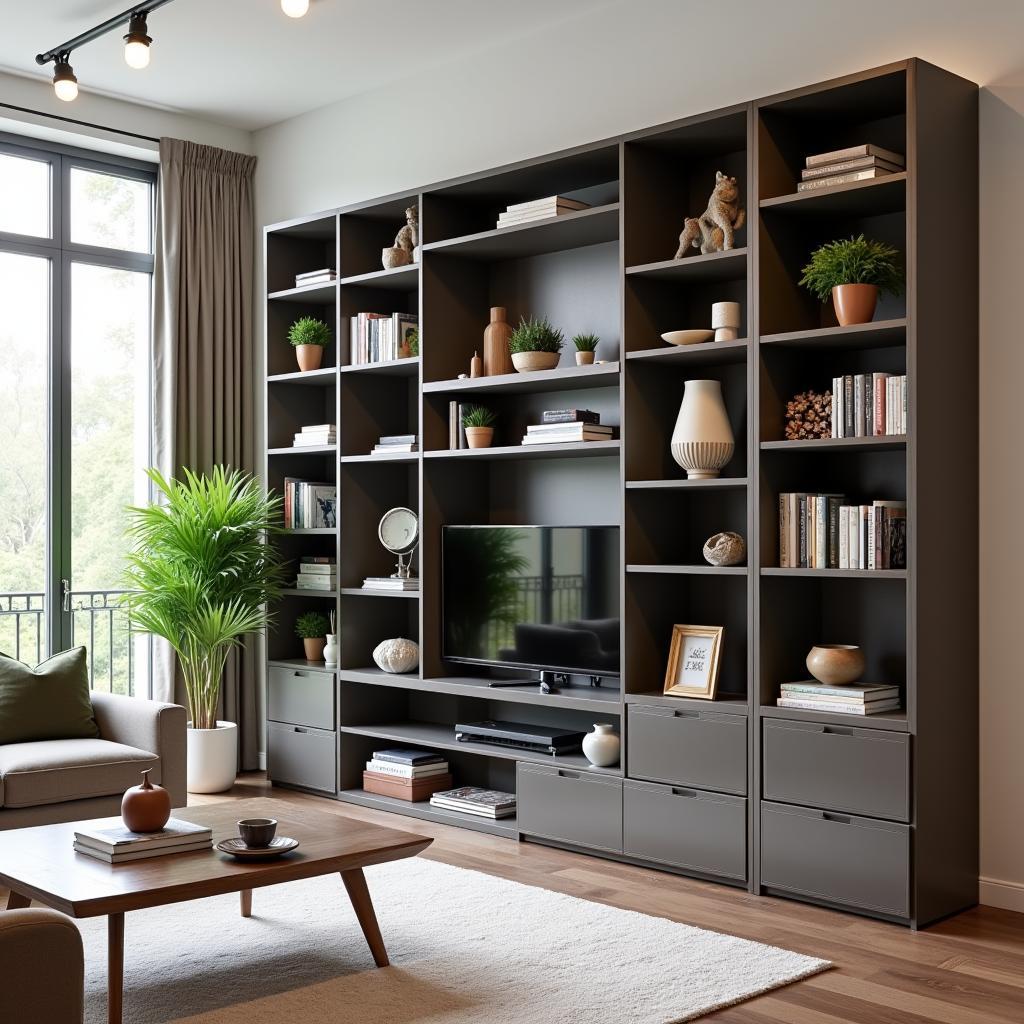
145,853
108,836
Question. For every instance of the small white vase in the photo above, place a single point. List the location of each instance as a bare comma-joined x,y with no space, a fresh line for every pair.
331,649
212,758
601,747
725,319
702,442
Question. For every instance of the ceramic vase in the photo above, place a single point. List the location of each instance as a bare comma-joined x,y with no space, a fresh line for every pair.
601,747
496,355
314,647
145,808
212,758
854,303
527,362
836,664
584,358
479,437
309,357
331,649
702,441
725,319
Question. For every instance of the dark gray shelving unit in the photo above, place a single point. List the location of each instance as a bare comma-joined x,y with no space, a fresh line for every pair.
877,815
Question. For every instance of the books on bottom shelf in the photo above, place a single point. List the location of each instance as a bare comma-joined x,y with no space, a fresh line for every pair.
410,583
869,405
486,803
108,840
856,699
406,774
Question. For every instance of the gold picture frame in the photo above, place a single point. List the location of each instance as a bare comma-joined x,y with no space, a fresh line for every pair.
693,670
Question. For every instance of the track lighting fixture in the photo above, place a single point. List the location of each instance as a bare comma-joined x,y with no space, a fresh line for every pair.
136,43
295,8
65,85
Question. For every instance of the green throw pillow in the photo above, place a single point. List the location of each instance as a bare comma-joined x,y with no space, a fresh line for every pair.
49,702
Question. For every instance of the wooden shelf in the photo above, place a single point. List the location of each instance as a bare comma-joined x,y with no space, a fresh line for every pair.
311,531
309,449
843,574
366,592
893,721
313,666
422,809
392,457
313,294
715,266
880,334
690,570
724,703
398,279
408,367
322,378
708,353
718,483
849,444
570,449
302,592
854,198
562,378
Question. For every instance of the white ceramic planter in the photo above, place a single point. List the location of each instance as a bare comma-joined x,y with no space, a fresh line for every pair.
702,442
601,747
212,758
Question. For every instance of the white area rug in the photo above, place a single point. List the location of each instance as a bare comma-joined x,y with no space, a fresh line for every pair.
465,948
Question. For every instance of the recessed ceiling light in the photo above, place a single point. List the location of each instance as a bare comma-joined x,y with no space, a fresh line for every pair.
295,8
136,43
65,85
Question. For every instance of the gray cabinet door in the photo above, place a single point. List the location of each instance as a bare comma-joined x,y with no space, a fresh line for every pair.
706,749
858,861
301,697
687,828
302,757
840,768
569,805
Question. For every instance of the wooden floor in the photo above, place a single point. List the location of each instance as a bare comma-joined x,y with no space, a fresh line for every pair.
968,970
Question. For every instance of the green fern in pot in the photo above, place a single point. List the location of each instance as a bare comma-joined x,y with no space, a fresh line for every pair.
852,272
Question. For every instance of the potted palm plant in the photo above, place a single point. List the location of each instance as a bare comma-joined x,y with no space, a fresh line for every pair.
535,345
309,337
200,575
852,272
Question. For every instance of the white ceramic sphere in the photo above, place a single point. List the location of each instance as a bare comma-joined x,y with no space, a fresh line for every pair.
397,655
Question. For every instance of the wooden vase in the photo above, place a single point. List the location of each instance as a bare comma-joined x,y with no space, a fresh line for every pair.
145,808
496,335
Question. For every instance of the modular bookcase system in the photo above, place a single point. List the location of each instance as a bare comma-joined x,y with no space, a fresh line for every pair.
875,814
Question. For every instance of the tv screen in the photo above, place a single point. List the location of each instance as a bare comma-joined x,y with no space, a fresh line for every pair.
544,597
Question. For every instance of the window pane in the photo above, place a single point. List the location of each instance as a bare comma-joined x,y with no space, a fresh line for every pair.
110,211
24,337
24,196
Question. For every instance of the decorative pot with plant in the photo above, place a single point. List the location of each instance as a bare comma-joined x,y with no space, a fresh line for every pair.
312,627
200,574
852,271
535,345
309,337
586,346
479,425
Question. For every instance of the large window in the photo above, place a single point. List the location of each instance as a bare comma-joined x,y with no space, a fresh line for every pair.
76,265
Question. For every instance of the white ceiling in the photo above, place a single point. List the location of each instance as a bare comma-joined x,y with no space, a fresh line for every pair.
243,63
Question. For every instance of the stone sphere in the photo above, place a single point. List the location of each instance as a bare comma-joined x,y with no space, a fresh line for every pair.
397,655
725,549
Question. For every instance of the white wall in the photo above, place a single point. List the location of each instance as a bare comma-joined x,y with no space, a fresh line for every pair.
647,61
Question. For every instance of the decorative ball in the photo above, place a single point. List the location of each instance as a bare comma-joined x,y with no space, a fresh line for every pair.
725,549
397,655
145,808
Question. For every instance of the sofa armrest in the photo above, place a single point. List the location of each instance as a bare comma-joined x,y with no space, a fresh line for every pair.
148,725
41,954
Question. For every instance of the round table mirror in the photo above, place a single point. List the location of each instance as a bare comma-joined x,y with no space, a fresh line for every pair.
399,532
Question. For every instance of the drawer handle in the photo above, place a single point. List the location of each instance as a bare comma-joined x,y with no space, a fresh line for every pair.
683,792
686,714
839,819
563,774
835,730
300,675
299,728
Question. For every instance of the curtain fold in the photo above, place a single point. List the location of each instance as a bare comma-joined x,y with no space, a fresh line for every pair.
204,355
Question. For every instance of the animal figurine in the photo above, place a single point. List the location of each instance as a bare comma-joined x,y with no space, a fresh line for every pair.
713,230
409,236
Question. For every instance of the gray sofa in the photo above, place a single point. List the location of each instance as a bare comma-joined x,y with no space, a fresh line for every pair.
70,780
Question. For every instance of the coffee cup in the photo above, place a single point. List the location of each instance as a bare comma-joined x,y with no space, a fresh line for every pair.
257,832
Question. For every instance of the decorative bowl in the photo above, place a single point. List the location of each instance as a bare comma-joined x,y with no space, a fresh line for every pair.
526,362
687,337
836,664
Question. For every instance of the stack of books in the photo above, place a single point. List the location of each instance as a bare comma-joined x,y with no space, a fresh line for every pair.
869,405
486,803
317,572
378,337
411,583
561,425
873,536
411,775
857,163
110,841
539,209
391,443
315,435
858,699
312,277
309,505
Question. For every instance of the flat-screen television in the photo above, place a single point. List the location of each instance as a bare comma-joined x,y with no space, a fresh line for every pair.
537,597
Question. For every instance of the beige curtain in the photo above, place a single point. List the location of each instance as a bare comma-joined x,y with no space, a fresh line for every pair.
204,354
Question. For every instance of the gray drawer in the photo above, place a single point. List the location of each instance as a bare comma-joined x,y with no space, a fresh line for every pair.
706,749
858,861
841,768
685,827
572,806
301,696
302,757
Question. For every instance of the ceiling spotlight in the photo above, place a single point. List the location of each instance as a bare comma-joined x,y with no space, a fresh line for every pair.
136,43
65,85
295,8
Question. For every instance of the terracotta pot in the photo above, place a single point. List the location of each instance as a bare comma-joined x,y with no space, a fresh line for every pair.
496,356
854,303
584,358
309,356
526,362
479,437
145,808
836,664
314,647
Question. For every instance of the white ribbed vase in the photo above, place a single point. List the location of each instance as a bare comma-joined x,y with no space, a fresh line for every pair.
702,442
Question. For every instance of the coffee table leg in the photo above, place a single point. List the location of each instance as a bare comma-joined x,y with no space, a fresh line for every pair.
15,901
359,894
115,967
245,902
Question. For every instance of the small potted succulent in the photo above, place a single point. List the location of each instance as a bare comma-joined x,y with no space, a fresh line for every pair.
312,627
479,425
586,346
535,345
852,272
309,337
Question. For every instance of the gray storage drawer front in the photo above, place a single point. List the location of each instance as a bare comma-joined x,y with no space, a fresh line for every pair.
569,805
858,861
840,768
706,749
703,831
303,757
301,696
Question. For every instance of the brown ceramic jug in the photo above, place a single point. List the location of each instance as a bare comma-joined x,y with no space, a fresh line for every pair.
145,808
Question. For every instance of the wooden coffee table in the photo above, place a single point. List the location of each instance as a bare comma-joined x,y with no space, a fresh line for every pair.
40,864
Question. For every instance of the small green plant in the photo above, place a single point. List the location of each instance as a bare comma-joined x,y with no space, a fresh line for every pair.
413,341
311,626
309,331
535,335
477,416
586,342
853,261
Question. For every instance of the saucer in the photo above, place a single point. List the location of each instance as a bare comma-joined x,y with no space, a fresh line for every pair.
688,337
236,848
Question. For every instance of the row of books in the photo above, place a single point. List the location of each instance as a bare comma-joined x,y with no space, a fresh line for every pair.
869,405
389,444
856,163
316,434
378,337
558,426
108,840
309,505
856,699
406,774
317,572
311,277
538,209
824,531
